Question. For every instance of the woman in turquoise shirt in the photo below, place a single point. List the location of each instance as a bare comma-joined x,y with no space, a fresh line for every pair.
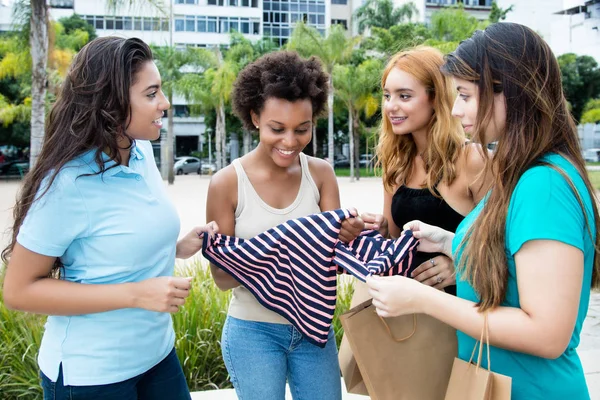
94,208
526,254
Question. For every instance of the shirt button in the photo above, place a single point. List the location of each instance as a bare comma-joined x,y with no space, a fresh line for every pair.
138,178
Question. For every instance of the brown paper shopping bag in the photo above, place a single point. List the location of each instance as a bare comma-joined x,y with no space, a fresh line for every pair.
350,371
401,358
471,382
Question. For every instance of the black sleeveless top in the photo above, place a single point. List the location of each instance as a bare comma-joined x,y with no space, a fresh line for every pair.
410,204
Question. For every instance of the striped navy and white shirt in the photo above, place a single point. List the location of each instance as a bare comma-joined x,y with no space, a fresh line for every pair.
292,268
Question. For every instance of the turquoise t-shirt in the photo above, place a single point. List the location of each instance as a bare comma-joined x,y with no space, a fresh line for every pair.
542,206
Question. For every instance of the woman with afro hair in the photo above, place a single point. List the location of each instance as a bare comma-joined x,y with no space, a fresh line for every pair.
280,95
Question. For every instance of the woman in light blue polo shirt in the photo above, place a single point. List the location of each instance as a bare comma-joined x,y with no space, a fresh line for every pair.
526,255
94,210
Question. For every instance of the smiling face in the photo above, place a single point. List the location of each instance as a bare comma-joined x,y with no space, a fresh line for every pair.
148,104
466,108
407,104
285,129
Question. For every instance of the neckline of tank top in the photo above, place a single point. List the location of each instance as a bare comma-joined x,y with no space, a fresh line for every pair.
289,208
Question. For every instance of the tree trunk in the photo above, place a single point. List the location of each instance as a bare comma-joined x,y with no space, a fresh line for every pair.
170,142
351,136
38,40
314,140
356,153
247,141
330,142
220,133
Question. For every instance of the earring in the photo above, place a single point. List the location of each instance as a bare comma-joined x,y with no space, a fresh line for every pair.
256,126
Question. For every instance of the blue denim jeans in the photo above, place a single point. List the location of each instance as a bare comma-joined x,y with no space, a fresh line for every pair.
163,381
261,356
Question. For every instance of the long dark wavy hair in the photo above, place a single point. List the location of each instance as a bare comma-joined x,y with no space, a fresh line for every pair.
512,59
91,113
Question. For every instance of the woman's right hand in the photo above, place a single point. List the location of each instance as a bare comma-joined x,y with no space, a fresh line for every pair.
162,294
432,239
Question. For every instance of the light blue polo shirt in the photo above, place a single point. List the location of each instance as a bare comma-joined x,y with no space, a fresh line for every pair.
542,207
115,227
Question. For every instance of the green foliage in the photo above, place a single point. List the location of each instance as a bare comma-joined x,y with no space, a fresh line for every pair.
75,22
397,38
198,326
591,105
591,116
453,24
498,14
383,14
70,40
580,79
20,335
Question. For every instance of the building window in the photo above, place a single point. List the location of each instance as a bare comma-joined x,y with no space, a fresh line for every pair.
99,22
190,22
61,3
339,1
110,23
127,23
212,24
341,22
179,25
137,23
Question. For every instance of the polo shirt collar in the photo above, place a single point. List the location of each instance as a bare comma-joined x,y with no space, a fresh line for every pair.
111,167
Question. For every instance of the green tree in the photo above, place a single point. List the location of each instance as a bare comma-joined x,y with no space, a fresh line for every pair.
383,14
36,13
170,62
498,14
334,49
357,87
396,38
453,24
580,79
211,90
75,22
15,68
591,112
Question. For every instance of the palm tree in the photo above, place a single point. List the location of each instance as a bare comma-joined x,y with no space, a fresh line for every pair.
38,42
383,14
334,49
170,62
212,89
356,87
16,62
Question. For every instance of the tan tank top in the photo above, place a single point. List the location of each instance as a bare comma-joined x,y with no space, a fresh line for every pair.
253,216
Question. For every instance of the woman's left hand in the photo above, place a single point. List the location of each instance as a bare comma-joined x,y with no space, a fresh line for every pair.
191,243
395,295
437,272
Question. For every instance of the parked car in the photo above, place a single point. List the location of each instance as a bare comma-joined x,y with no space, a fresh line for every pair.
206,167
185,165
591,155
342,162
14,168
367,160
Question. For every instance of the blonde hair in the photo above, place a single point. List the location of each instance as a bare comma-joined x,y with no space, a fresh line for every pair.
445,137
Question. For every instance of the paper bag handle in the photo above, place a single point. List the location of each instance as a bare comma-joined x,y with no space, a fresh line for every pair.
481,343
398,340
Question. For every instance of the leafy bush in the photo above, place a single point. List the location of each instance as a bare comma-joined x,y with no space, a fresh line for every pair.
198,327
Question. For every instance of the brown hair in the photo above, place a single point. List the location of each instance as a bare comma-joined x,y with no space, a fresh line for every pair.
512,59
90,113
445,136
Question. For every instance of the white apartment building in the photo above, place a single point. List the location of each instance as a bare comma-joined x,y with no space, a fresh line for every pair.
569,26
480,9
